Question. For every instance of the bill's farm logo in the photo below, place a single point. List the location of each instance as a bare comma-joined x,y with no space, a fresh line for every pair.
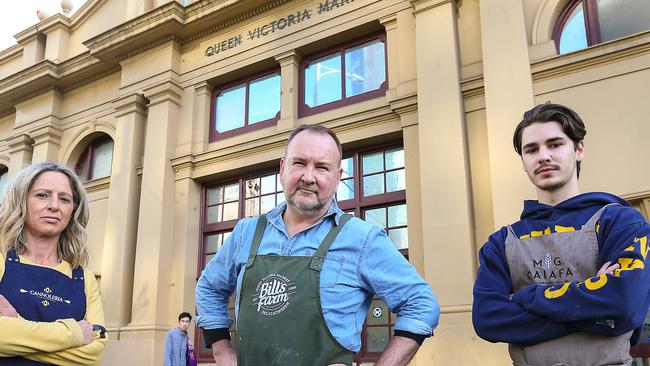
272,294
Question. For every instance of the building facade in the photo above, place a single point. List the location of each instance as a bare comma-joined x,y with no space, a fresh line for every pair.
176,115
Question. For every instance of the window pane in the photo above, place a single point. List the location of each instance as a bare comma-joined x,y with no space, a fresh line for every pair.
280,198
622,18
347,165
263,98
268,202
365,68
574,34
378,313
373,184
376,217
395,159
268,184
323,80
208,258
252,187
345,190
252,207
231,106
395,181
231,211
3,183
214,195
213,214
102,159
373,163
83,166
377,338
397,215
231,193
400,237
212,243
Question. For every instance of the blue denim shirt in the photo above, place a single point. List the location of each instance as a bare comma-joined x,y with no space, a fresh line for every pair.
175,348
361,262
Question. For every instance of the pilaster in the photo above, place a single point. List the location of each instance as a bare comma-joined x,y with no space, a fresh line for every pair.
289,63
47,141
20,153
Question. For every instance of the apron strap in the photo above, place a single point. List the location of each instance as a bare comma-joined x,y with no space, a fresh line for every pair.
257,240
318,258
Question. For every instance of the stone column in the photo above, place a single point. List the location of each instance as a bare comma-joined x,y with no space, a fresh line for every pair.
122,211
20,153
152,284
47,141
201,117
289,63
446,204
508,93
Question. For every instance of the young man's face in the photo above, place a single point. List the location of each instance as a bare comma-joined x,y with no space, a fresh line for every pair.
183,324
549,155
310,172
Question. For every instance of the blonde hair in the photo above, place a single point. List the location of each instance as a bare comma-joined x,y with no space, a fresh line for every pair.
72,241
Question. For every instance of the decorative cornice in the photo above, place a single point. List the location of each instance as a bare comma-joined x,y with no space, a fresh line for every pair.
473,87
132,103
92,78
203,88
290,57
47,133
168,90
148,46
96,185
19,142
420,6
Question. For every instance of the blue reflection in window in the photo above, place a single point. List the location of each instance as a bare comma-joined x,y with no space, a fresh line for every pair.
365,68
323,80
574,33
230,108
263,98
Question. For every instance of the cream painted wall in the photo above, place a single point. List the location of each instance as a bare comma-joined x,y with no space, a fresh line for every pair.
469,33
618,131
98,202
11,65
6,126
103,18
90,96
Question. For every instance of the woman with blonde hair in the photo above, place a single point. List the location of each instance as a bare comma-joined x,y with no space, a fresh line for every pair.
50,309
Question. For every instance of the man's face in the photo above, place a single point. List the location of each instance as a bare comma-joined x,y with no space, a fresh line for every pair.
310,172
549,155
183,324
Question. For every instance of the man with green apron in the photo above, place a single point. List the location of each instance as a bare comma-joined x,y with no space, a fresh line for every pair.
567,284
306,272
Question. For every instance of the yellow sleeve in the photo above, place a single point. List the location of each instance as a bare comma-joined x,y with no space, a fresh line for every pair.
91,353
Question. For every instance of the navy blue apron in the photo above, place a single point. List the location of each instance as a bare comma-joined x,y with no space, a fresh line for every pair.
41,294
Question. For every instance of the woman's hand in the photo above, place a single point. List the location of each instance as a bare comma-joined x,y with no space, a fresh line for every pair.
6,309
87,330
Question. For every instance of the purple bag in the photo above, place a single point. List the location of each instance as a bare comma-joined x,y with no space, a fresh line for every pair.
190,356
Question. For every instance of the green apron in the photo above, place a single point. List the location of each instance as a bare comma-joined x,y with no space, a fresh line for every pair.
280,318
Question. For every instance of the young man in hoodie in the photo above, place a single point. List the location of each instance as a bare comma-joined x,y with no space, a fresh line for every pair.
567,283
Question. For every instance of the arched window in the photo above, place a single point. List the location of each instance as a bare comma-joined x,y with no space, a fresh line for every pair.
96,160
584,23
4,175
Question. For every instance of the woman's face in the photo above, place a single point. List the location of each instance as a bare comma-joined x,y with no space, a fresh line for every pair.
49,205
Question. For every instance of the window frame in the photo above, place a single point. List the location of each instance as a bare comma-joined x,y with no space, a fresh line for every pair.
592,25
304,110
89,152
216,136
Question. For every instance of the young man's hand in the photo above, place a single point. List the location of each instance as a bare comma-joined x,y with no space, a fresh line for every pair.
608,268
6,309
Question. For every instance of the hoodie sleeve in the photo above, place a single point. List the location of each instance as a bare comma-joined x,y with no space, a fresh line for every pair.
498,319
607,304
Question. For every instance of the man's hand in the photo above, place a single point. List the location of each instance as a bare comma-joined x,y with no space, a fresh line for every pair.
399,352
6,309
87,331
223,353
608,268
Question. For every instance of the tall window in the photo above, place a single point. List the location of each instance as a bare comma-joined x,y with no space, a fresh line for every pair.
96,160
4,175
346,74
246,105
225,204
372,187
584,23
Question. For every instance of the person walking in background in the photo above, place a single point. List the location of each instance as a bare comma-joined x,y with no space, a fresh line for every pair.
50,307
177,344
